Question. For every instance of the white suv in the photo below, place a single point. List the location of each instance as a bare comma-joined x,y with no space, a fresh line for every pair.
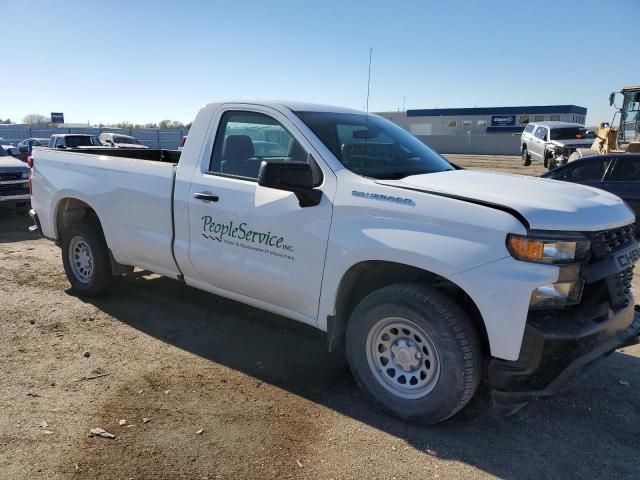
552,142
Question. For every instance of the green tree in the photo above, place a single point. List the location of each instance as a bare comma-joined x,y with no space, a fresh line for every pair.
36,119
170,124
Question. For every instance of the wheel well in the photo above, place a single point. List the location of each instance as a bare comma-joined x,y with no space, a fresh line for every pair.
366,277
70,211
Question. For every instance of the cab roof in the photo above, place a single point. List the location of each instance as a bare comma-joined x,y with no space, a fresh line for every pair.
292,105
558,124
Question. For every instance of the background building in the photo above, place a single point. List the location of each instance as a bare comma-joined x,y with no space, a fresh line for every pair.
482,121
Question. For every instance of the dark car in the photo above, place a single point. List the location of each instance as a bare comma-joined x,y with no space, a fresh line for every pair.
615,173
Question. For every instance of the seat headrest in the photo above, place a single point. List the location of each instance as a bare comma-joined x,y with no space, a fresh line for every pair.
238,148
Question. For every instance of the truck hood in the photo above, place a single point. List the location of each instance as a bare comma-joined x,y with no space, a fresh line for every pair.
130,145
573,143
12,164
544,204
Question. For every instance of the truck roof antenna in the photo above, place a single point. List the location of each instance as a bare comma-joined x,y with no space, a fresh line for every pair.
369,80
366,115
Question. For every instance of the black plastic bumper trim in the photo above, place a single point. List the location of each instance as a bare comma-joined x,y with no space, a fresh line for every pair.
554,354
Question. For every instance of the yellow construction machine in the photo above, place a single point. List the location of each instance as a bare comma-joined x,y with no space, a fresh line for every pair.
623,138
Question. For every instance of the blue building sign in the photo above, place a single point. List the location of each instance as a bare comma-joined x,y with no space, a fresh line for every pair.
503,120
57,117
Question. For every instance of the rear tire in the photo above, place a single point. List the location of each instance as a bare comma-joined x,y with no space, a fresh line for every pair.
85,257
526,158
414,352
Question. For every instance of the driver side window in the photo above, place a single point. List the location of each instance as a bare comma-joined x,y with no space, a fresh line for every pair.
541,133
584,171
245,139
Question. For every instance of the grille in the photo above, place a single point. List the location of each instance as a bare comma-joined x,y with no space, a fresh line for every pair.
620,287
14,186
10,176
607,241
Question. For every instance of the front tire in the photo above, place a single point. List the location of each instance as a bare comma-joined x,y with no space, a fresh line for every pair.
414,352
85,257
526,158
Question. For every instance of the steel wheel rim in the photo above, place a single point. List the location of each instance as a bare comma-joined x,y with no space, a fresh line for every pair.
81,259
402,357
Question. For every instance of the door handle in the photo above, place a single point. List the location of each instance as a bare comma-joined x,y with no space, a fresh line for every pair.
207,197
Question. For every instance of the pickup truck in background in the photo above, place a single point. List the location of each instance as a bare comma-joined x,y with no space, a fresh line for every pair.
552,143
429,275
74,140
14,181
119,140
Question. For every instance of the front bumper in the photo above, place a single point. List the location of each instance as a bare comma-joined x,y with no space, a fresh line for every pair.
557,346
12,202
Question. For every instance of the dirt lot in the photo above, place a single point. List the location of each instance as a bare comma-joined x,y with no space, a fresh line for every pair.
269,399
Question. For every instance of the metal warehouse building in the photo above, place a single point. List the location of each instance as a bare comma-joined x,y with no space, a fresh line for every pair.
482,121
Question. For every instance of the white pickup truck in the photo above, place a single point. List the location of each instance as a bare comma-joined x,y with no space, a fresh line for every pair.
433,276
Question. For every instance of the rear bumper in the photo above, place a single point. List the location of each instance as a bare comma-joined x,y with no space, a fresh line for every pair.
558,346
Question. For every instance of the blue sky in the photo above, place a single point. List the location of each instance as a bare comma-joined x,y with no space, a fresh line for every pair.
143,61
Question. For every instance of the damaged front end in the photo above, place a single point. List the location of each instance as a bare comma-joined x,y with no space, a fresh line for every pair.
560,343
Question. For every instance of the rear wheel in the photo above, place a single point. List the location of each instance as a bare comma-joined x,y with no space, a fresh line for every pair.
85,257
415,352
526,158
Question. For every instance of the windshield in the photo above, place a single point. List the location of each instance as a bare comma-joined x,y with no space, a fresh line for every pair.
372,146
630,121
570,133
82,141
130,140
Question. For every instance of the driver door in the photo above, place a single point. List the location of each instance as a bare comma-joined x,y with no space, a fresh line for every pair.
255,242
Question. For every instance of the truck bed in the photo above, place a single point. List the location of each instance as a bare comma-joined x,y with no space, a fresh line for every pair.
150,154
131,191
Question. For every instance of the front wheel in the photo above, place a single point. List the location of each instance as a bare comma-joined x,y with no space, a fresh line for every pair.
85,257
414,352
526,158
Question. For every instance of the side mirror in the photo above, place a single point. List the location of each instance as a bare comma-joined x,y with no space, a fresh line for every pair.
296,177
289,176
612,98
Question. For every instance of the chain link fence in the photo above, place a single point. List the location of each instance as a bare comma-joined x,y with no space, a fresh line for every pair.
151,137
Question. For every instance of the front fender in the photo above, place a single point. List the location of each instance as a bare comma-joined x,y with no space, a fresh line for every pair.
446,245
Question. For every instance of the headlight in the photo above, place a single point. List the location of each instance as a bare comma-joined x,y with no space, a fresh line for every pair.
25,175
566,291
567,252
548,250
557,295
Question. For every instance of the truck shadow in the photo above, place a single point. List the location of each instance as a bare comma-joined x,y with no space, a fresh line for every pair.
14,227
590,432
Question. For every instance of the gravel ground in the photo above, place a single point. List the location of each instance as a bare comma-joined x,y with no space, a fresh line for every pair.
233,392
